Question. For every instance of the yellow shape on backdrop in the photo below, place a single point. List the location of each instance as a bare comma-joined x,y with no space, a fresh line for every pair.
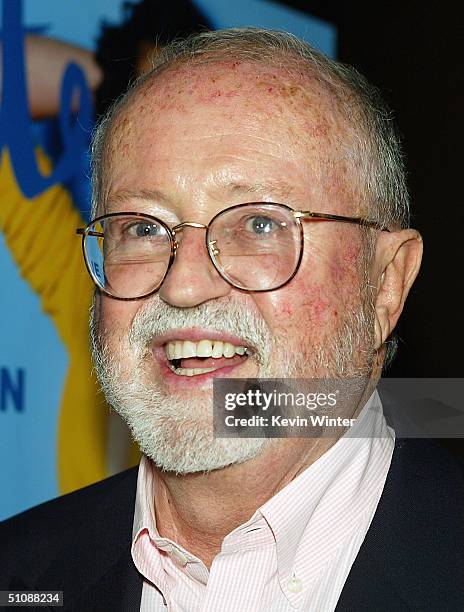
40,234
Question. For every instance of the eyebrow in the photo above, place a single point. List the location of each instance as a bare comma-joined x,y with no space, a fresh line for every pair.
280,189
265,188
151,195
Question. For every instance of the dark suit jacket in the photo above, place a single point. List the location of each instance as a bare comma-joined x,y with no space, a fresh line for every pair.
411,559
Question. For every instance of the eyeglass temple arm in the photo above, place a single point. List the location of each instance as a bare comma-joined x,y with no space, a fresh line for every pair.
81,231
302,214
307,214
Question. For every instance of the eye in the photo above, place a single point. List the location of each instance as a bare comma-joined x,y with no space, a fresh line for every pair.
144,229
261,225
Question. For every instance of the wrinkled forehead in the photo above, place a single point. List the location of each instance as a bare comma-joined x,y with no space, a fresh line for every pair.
234,89
257,82
229,102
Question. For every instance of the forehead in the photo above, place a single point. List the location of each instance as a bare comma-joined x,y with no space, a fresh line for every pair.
229,116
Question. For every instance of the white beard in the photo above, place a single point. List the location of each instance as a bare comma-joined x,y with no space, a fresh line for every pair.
176,431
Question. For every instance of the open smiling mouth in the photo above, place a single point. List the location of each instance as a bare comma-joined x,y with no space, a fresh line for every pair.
187,358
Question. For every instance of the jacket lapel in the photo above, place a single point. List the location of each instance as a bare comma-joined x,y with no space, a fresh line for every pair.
95,563
120,588
412,557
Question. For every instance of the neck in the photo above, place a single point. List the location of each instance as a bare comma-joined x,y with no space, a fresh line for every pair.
199,510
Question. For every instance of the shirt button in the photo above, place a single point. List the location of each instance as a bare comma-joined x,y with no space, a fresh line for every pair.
180,557
294,585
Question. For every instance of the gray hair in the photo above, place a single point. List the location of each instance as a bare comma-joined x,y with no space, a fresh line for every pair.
374,146
377,158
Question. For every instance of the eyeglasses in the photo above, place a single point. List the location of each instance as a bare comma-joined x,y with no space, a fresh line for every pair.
254,247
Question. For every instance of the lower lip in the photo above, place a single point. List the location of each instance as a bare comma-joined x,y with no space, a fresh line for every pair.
197,380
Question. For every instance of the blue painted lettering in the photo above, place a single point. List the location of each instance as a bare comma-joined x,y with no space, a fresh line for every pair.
12,389
15,123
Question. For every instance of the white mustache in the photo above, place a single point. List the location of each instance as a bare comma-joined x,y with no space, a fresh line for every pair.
223,315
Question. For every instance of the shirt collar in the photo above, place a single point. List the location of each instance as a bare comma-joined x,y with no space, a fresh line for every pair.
296,512
144,513
345,475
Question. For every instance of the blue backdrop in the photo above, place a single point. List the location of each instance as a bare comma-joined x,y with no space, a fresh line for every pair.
33,358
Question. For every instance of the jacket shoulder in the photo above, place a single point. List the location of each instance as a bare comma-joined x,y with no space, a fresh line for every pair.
67,522
413,555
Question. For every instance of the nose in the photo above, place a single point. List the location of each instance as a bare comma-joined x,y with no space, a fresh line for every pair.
192,278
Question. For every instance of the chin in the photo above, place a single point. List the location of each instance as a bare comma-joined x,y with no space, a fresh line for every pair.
186,449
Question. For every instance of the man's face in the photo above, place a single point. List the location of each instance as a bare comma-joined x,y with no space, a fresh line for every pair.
190,144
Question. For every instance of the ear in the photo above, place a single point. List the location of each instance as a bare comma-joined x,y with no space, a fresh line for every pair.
396,264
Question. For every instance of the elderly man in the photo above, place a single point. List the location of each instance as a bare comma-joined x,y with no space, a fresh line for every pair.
251,221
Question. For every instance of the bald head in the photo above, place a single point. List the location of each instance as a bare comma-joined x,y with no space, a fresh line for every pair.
231,104
300,73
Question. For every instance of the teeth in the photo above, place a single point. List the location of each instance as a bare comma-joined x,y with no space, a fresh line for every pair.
191,371
188,349
184,349
169,351
177,349
228,350
204,348
217,349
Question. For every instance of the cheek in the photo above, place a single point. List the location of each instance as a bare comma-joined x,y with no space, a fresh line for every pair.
343,274
316,299
303,306
116,316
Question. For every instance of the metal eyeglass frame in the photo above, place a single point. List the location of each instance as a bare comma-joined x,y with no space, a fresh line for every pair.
171,232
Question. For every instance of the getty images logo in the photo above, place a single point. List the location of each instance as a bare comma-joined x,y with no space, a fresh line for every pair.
256,398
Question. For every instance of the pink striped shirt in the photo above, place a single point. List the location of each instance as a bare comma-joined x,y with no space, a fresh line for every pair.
296,550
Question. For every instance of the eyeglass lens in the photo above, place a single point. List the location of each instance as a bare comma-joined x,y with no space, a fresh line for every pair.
254,247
